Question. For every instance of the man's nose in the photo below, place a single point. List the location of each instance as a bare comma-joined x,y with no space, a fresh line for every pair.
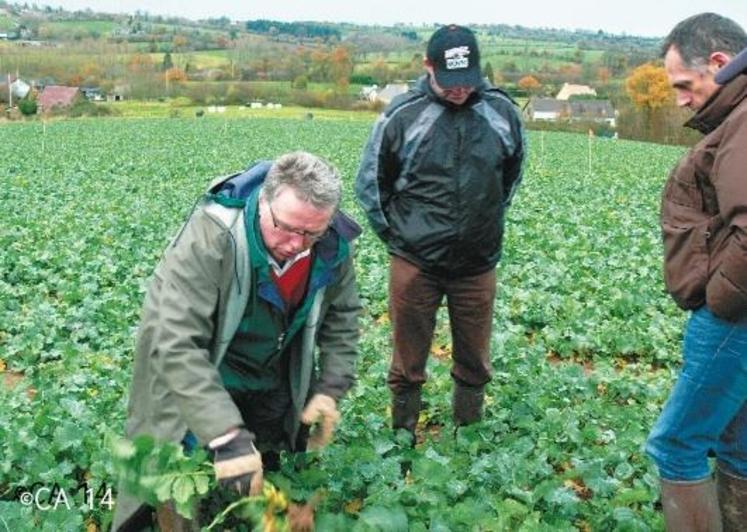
683,99
298,242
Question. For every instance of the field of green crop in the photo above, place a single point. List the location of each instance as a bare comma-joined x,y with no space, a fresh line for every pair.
585,344
81,26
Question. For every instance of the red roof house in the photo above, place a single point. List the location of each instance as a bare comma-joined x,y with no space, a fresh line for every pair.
57,96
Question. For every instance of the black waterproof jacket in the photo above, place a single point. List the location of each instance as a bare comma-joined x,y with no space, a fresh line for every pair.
436,179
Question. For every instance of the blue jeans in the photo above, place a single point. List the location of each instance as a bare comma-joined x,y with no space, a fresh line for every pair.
706,412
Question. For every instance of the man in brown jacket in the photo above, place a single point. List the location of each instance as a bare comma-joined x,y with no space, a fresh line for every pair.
704,225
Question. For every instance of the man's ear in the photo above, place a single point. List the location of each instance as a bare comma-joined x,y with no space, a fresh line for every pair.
428,66
717,60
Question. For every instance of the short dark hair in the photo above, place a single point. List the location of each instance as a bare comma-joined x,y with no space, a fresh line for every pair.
697,37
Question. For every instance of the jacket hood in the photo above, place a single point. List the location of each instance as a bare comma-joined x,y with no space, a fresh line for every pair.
343,227
240,186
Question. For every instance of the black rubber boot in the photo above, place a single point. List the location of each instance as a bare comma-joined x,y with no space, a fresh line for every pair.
690,507
406,410
466,403
732,498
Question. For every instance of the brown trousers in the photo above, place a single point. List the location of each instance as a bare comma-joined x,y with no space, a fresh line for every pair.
414,298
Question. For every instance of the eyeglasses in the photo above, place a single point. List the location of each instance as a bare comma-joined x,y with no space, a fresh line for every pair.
309,236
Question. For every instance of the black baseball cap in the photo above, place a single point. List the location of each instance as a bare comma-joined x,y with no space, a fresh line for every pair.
733,68
453,52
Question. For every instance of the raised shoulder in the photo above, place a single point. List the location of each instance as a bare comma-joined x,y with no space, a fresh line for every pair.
494,94
405,100
226,216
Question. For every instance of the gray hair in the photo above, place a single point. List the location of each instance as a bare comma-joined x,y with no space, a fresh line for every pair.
312,178
698,36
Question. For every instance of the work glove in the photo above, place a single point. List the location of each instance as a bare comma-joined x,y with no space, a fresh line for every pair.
321,409
238,464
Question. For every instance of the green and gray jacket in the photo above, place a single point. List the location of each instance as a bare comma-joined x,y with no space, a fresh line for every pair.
193,307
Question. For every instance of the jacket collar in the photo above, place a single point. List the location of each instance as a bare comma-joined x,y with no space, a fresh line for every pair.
233,190
342,228
719,105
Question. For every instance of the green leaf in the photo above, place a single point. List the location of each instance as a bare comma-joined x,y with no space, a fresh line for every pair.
124,448
627,496
624,471
202,484
384,519
185,509
332,522
183,489
162,488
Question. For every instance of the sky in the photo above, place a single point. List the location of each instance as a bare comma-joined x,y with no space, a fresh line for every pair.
652,18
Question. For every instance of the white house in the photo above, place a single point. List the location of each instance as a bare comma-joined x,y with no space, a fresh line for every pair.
546,109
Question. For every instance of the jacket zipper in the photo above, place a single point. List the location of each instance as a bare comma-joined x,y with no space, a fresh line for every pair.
458,174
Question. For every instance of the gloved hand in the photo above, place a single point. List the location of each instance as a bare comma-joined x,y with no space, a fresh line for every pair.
237,463
323,409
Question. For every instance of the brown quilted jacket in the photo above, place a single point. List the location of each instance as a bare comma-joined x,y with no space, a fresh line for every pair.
704,210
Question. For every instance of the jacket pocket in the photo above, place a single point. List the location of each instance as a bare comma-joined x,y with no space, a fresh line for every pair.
682,188
687,260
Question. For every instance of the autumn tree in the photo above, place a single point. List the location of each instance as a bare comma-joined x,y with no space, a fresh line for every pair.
319,66
175,74
649,90
91,73
603,75
529,84
179,43
341,66
140,63
571,72
142,77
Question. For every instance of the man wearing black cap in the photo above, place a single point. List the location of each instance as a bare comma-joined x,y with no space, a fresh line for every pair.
436,178
704,225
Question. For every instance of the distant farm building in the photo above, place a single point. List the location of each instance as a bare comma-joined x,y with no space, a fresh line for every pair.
93,94
118,93
582,110
58,96
546,109
569,89
593,111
